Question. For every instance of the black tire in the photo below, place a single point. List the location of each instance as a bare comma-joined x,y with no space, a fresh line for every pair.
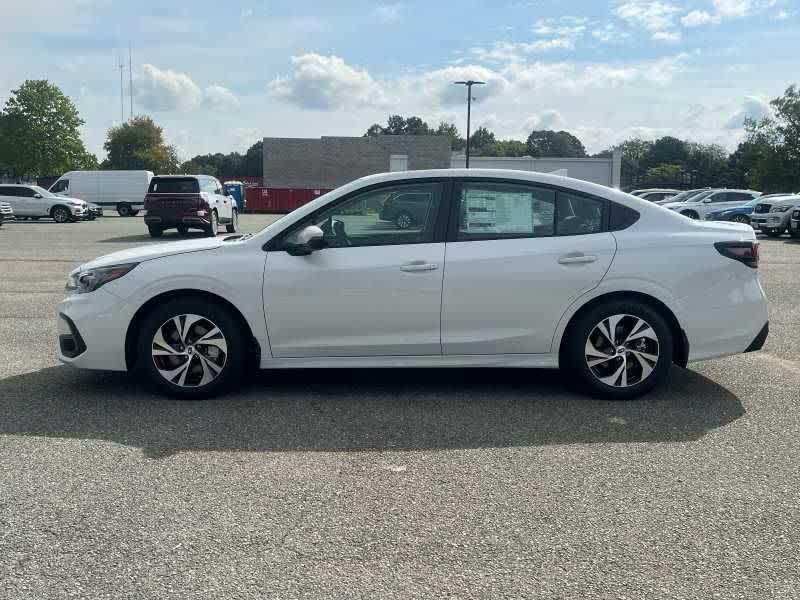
404,220
691,214
773,233
155,231
61,214
794,233
182,229
233,226
213,229
124,210
235,337
573,355
741,219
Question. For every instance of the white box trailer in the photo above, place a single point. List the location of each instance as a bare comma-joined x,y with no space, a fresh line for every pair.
123,191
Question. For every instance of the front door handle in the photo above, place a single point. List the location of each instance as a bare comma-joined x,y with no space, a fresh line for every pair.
576,258
418,265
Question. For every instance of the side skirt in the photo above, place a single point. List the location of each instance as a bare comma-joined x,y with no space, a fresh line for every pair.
536,361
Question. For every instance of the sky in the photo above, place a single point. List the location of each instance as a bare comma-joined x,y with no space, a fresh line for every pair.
218,76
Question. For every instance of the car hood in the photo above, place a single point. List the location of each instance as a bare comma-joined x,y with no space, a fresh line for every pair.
70,199
678,204
143,253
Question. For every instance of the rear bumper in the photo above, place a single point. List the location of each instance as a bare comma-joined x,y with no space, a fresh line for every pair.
175,220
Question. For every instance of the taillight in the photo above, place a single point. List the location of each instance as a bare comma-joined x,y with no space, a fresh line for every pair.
744,252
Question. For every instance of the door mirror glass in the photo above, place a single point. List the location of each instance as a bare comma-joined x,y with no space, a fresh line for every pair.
37,195
305,241
707,201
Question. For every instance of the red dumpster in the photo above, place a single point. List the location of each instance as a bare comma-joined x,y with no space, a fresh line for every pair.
279,200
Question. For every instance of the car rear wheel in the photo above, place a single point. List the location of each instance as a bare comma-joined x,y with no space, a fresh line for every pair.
618,350
191,348
60,214
124,210
233,226
404,220
155,231
213,228
741,219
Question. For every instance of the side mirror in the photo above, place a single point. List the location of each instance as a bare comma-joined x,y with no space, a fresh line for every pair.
305,241
707,201
37,195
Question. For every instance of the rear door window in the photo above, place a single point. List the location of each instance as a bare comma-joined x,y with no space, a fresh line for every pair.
174,185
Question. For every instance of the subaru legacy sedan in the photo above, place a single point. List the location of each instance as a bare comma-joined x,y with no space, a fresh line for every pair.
501,269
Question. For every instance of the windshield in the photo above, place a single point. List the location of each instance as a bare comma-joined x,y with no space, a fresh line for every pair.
700,196
41,191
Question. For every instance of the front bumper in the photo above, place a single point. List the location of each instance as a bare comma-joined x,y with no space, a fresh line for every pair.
769,221
92,336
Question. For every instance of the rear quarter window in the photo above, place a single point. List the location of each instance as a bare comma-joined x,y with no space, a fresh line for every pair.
621,217
174,185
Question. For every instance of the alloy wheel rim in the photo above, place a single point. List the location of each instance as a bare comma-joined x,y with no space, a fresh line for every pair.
622,350
404,221
60,215
189,350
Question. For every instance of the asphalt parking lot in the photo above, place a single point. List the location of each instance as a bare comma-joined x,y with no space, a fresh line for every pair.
388,484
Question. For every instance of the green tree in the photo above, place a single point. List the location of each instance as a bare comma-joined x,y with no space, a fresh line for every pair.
139,144
456,141
707,164
554,143
39,133
505,148
665,175
787,121
482,138
666,150
253,162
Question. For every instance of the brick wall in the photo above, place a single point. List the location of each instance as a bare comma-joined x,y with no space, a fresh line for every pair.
329,162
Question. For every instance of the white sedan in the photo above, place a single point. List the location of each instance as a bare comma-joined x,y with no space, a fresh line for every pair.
497,269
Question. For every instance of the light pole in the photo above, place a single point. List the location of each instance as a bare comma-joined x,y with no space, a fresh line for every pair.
469,85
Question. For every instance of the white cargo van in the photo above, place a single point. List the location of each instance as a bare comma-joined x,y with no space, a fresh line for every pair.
123,191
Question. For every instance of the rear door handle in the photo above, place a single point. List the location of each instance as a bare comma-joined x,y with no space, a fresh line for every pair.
418,265
576,258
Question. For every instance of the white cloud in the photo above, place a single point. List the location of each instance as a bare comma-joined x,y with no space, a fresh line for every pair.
653,16
667,36
439,84
217,96
741,8
609,34
550,119
166,90
782,15
566,26
753,107
696,18
327,83
389,14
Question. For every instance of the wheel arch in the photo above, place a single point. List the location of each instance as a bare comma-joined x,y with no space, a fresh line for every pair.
132,333
680,354
55,206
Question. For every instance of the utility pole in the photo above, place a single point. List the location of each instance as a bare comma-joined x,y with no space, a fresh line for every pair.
468,84
130,74
121,91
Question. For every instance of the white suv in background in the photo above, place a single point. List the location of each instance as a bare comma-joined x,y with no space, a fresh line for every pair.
712,201
33,202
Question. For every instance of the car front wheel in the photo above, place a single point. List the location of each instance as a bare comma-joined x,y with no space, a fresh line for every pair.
233,226
191,348
61,214
618,350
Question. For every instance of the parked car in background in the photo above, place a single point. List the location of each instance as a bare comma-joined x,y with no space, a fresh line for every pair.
407,209
188,201
507,269
738,214
33,202
772,216
6,212
121,190
683,196
656,195
698,205
641,193
95,210
794,224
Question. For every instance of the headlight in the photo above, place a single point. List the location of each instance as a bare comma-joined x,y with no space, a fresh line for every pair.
780,209
82,282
